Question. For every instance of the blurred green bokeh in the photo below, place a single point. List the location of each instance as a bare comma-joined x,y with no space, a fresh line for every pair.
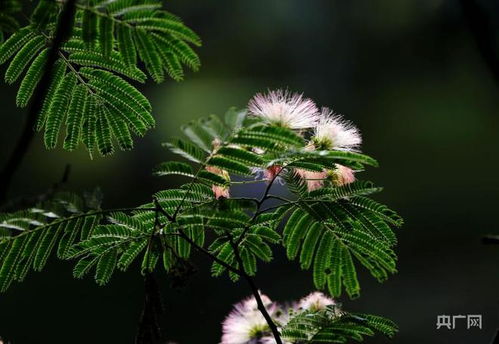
408,73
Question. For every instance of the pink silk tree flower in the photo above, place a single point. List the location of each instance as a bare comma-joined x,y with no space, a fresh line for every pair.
271,172
282,108
343,175
334,132
245,324
315,301
314,180
219,190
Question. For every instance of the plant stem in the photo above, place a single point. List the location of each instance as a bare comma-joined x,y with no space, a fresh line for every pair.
259,204
62,32
256,294
241,272
196,246
235,245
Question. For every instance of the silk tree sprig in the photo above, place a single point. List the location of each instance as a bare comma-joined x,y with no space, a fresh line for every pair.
327,221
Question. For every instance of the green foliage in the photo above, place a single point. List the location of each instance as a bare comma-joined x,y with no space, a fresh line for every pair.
93,98
109,43
332,229
141,28
332,325
331,226
30,236
253,242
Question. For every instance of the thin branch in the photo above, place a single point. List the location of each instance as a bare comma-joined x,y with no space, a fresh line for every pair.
235,245
256,294
248,182
73,217
209,254
259,204
196,246
159,208
62,32
241,272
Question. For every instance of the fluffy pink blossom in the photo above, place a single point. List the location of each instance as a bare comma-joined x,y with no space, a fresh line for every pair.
334,132
343,175
314,180
315,301
220,191
272,171
285,109
245,322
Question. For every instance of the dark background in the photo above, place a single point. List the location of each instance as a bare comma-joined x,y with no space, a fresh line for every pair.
408,73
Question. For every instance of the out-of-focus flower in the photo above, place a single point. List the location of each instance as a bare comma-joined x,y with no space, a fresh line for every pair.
334,132
342,175
315,301
219,190
245,323
283,313
314,180
284,109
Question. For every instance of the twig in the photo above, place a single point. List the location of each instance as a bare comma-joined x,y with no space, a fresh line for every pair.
259,204
235,245
256,294
241,272
61,34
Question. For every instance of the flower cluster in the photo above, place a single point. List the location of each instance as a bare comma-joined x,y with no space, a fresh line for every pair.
325,130
246,325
